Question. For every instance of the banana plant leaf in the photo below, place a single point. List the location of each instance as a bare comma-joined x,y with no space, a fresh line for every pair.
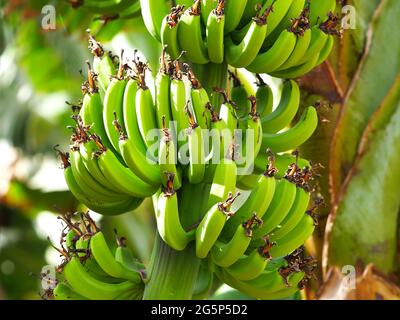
378,68
363,226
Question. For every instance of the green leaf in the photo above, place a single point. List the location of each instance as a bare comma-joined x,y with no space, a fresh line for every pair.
378,69
364,10
365,227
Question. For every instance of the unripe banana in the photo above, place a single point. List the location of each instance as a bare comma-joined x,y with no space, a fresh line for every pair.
295,238
294,216
64,292
243,54
264,98
103,64
239,96
215,33
168,221
319,10
190,35
284,196
276,55
223,182
227,254
105,258
233,11
113,105
153,12
122,178
169,31
286,110
257,202
295,136
196,168
162,101
167,159
212,224
91,288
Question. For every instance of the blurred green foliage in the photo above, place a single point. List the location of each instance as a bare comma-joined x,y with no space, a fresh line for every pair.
39,71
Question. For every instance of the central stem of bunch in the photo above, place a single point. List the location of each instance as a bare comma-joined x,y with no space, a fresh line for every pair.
173,274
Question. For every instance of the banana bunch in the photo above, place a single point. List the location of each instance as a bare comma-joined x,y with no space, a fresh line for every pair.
195,160
91,269
284,38
109,8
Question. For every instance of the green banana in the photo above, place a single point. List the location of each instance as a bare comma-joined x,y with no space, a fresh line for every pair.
326,51
295,238
264,98
153,12
286,110
283,198
299,51
227,112
168,221
215,33
239,96
199,101
206,7
87,149
88,183
249,267
196,167
275,56
247,182
103,64
169,32
251,148
141,165
105,258
295,136
297,71
234,10
113,105
294,216
167,160
246,51
105,208
318,40
64,292
130,117
212,224
162,101
92,110
282,163
124,256
190,36
319,10
84,284
269,285
257,202
294,11
223,182
145,114
122,178
227,254
178,105
280,9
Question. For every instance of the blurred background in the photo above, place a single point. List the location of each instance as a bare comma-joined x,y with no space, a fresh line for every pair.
358,143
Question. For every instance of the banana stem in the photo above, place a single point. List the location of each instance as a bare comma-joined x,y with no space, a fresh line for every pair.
172,273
